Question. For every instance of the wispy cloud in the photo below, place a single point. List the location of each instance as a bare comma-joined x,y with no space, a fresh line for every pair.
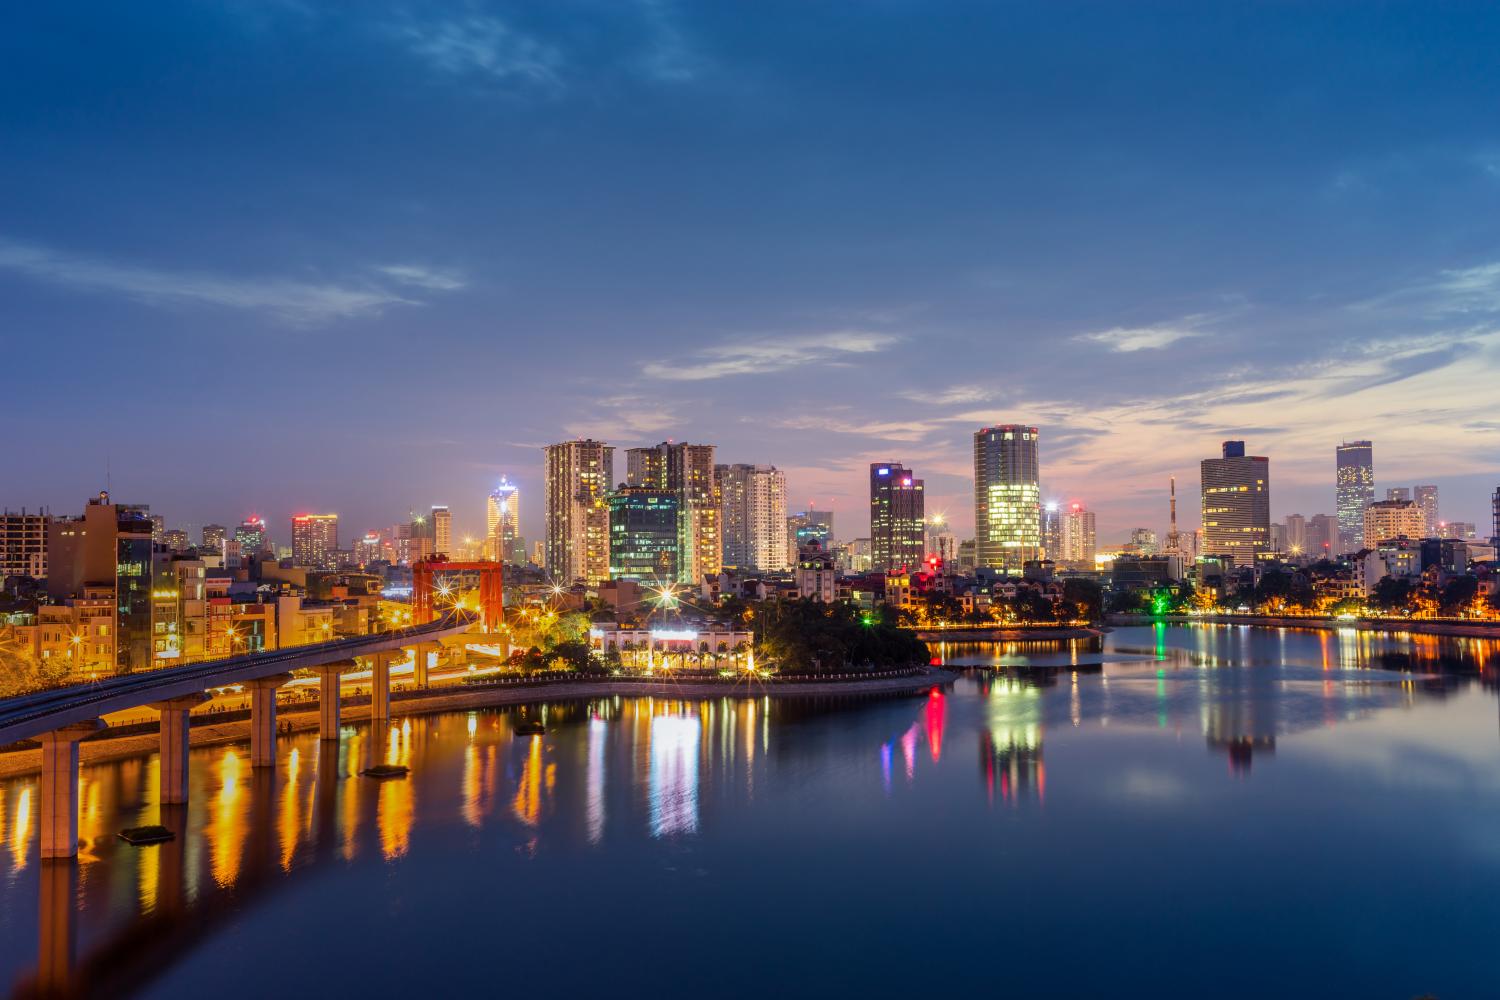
752,356
484,45
423,277
1128,339
296,302
953,395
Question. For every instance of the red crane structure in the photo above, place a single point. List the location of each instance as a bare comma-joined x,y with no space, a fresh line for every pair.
427,574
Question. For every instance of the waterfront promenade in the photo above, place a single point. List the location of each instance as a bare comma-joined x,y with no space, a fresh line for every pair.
1452,628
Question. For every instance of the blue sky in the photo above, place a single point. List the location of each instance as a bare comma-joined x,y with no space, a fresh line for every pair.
277,256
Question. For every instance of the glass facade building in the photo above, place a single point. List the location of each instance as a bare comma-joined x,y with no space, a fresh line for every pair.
1007,498
898,518
643,534
1237,505
1354,490
133,639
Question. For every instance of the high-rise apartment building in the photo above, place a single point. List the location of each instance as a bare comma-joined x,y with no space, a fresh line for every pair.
107,551
1296,535
23,544
754,517
315,541
1389,519
1354,490
213,538
503,541
1007,498
1323,536
689,471
1052,544
643,534
1079,539
1143,541
1427,498
577,477
1236,504
897,518
442,530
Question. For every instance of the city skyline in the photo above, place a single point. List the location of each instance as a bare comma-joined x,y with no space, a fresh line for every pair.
498,195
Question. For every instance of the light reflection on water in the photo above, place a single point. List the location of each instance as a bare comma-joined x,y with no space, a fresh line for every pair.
1163,740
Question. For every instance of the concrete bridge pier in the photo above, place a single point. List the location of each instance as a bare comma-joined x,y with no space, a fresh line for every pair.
263,719
57,939
421,664
174,745
328,700
59,814
380,686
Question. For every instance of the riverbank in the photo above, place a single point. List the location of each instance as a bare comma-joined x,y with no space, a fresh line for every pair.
1460,630
303,716
1021,633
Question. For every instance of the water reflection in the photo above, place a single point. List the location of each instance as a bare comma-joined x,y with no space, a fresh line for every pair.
612,774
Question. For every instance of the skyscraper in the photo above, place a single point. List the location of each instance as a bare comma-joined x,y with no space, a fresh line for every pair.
1354,490
1398,493
1427,499
808,526
1079,540
1495,511
577,477
315,541
897,518
1007,497
1236,504
503,523
754,517
1052,531
1296,535
442,530
252,536
689,471
1323,536
213,537
643,534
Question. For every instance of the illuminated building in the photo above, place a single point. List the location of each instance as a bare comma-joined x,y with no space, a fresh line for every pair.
158,528
897,518
421,542
689,471
1427,498
815,575
1323,535
1296,535
175,539
502,525
23,544
1236,504
315,539
368,549
1495,512
809,526
1079,540
1007,498
1052,530
1143,541
213,537
1457,529
643,534
441,519
754,517
578,475
1354,490
107,551
252,536
1398,493
1387,519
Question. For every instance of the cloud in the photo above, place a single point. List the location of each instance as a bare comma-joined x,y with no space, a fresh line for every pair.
297,302
487,46
953,395
423,277
752,356
1128,339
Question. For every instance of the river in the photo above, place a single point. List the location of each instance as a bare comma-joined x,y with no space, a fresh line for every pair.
1176,811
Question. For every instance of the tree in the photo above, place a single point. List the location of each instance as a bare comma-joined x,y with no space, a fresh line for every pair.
1459,594
1392,593
1086,599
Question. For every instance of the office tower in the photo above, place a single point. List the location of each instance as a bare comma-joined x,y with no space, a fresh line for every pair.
442,530
689,471
754,517
107,552
1398,493
1323,535
368,548
1388,519
1354,490
1007,497
1143,540
23,544
252,536
1236,504
1495,512
1078,537
503,523
1296,535
897,517
643,534
1427,498
315,540
1052,531
578,474
808,526
213,537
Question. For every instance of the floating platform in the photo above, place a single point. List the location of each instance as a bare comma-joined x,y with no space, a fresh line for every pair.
383,771
141,836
